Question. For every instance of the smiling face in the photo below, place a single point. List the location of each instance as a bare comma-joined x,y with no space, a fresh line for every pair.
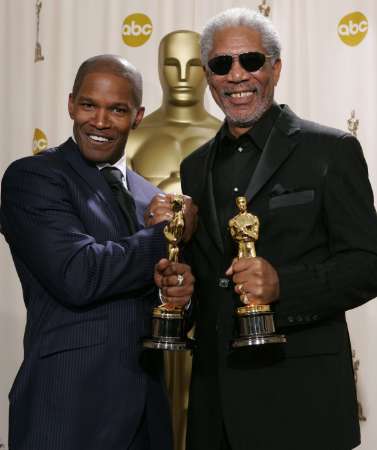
181,73
243,96
103,114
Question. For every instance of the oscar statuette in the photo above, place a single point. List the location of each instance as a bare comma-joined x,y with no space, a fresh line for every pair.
168,321
254,322
38,56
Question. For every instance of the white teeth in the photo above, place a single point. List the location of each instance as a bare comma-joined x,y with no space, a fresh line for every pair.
98,138
241,94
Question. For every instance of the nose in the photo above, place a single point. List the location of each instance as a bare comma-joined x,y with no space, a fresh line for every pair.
101,119
183,72
237,73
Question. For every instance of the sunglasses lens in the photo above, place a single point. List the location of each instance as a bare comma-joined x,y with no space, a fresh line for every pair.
220,65
252,61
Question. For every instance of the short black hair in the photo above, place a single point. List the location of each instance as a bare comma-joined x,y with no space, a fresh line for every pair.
111,64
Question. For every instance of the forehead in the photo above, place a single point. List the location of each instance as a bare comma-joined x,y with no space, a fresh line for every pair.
182,46
234,40
106,85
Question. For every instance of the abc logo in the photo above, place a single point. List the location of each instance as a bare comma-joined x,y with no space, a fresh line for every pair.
39,141
136,30
353,28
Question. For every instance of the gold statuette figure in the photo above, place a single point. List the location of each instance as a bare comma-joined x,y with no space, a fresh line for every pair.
38,48
173,231
353,124
244,229
168,324
356,365
264,8
255,323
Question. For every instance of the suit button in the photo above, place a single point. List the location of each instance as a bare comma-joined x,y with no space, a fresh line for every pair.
224,283
315,317
291,319
299,318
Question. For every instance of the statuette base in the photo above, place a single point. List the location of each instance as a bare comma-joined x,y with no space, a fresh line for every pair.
255,326
166,345
168,330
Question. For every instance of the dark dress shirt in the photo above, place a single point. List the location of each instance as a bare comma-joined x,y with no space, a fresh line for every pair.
234,165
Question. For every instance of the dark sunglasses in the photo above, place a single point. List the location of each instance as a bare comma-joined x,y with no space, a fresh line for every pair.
251,61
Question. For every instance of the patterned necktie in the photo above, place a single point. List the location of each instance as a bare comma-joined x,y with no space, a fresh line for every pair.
113,177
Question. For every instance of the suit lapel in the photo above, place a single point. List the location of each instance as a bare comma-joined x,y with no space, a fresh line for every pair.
141,196
207,203
91,175
280,143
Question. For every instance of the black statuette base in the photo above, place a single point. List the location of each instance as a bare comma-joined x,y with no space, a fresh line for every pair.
168,331
255,328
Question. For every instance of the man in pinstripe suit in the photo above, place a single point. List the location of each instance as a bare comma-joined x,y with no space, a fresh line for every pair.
86,267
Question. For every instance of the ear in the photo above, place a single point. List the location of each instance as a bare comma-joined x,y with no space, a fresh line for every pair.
207,73
70,106
276,69
138,117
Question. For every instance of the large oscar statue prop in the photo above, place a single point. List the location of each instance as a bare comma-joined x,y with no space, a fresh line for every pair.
181,124
254,322
155,150
168,324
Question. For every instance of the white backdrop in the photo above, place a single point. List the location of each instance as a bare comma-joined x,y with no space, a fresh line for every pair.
323,79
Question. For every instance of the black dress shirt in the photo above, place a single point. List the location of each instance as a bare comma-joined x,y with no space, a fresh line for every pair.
234,164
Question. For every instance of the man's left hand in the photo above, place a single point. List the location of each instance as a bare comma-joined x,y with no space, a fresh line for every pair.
256,281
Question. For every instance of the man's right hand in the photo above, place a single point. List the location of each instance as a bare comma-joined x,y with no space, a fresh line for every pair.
160,209
175,281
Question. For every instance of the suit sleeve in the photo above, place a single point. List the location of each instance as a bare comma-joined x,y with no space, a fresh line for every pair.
348,278
45,233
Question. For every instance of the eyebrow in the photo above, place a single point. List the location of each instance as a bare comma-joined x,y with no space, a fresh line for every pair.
189,61
91,99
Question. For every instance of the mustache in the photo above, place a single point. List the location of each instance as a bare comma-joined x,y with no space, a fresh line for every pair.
236,90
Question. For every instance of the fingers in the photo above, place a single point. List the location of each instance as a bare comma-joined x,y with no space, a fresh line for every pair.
255,280
159,269
175,281
229,271
158,210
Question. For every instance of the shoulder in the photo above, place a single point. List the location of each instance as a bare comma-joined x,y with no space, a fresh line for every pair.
198,155
289,121
43,162
318,140
138,182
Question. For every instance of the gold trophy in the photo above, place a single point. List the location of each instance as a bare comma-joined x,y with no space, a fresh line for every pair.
254,323
168,321
38,48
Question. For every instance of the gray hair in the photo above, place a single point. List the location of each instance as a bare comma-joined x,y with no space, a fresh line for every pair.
236,17
111,64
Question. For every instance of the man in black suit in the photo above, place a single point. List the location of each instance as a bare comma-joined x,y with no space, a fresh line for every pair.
74,220
316,257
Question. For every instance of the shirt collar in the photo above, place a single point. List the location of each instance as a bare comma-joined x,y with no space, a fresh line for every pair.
258,134
120,164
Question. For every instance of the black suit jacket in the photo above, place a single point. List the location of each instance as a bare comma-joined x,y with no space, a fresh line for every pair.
88,288
318,228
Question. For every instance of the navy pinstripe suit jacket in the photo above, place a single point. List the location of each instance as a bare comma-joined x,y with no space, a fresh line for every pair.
88,288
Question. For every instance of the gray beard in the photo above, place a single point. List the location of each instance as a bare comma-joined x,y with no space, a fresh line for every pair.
248,122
